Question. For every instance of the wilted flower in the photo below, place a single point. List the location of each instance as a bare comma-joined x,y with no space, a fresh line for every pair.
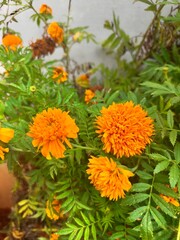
6,134
11,41
45,9
55,32
43,47
59,74
53,209
89,94
124,129
83,80
50,130
108,178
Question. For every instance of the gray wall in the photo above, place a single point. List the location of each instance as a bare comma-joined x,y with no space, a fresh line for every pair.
134,20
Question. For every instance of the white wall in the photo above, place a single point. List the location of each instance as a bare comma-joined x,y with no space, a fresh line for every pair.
134,20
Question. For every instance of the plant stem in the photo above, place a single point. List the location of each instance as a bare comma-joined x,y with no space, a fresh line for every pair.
178,234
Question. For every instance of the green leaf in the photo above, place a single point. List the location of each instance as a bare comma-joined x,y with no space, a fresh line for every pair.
64,195
140,187
65,231
144,175
170,119
163,189
164,206
86,220
93,231
136,198
161,166
86,233
174,175
73,234
109,40
158,217
79,222
117,235
79,235
177,152
83,206
137,213
67,202
173,136
113,97
157,157
146,227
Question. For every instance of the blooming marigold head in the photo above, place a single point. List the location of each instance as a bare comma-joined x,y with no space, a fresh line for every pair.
6,134
111,180
50,130
53,209
59,74
55,32
125,129
89,94
11,41
45,9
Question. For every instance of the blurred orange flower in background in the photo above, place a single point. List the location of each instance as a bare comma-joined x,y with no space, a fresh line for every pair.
59,74
108,178
6,134
53,209
45,9
89,94
54,236
11,41
50,130
125,129
55,32
83,80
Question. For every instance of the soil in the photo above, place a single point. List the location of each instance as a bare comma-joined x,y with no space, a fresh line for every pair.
4,222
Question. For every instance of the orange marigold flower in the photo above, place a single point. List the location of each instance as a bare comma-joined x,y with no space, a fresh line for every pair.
88,95
83,80
54,236
55,32
53,209
45,9
60,74
11,41
171,199
6,134
124,129
108,178
50,130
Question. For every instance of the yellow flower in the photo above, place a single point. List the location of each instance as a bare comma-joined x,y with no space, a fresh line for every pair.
108,178
55,32
53,209
89,94
83,80
59,74
45,9
50,130
124,129
54,236
11,41
6,134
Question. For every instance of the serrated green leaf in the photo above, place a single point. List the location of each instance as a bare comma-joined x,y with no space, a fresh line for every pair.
163,205
117,235
112,98
163,189
140,187
70,225
62,188
93,231
144,175
64,195
137,213
157,157
67,202
161,166
173,136
146,227
174,175
85,218
79,222
83,206
158,217
170,119
65,231
80,234
177,152
73,234
86,233
136,198
108,40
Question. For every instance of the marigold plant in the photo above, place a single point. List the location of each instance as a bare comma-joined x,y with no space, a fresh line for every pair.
55,32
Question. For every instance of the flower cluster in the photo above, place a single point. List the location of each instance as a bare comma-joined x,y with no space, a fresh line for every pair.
59,74
45,9
109,178
6,134
124,129
55,32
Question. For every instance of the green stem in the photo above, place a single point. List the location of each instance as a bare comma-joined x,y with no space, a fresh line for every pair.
178,234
